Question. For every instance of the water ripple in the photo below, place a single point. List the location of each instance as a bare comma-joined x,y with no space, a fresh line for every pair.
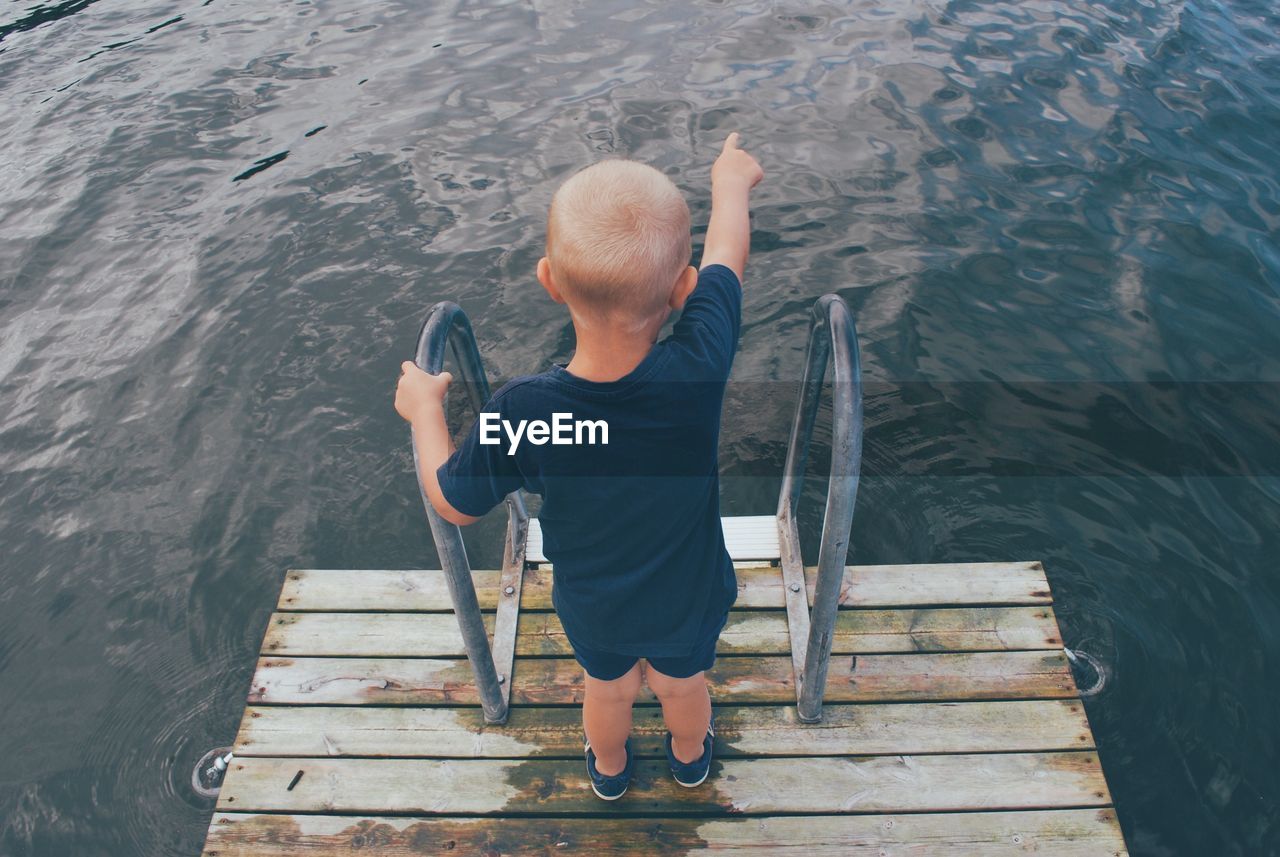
1055,221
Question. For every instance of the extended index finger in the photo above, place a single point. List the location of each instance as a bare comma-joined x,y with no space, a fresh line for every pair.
731,142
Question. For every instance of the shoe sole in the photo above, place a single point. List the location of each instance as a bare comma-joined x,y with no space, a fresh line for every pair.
694,785
607,797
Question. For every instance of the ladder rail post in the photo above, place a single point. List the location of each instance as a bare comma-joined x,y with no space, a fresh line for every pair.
832,339
447,326
795,588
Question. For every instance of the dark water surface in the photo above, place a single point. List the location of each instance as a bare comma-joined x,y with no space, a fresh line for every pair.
221,223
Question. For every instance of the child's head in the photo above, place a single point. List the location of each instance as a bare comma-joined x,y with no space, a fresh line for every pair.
617,241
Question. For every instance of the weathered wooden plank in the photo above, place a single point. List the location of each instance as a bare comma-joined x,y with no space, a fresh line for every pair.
542,681
736,786
956,584
845,730
747,632
759,587
1060,833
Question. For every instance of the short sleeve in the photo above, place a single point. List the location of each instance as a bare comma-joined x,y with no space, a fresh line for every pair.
480,474
711,318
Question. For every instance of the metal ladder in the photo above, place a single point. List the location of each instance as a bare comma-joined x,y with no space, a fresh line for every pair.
832,339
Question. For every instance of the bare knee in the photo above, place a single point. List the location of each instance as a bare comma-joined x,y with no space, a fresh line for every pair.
667,688
625,688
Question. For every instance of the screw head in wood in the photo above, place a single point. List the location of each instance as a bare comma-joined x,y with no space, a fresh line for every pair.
501,679
510,590
795,587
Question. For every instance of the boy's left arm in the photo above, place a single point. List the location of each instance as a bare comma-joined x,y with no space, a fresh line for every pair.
420,400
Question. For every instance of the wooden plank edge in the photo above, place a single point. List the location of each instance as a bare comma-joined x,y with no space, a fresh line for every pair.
760,586
742,731
876,631
764,786
1063,833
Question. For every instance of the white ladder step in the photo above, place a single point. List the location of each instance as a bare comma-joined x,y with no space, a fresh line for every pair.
748,538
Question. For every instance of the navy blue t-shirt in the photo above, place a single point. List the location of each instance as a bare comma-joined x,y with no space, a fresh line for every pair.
632,526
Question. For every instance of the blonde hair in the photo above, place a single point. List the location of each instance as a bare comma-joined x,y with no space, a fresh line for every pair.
617,239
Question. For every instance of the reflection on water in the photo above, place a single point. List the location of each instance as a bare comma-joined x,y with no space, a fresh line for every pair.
222,222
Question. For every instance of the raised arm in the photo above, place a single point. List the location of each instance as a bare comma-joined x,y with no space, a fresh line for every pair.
733,175
420,400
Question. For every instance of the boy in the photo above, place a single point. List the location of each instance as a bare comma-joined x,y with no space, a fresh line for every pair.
626,461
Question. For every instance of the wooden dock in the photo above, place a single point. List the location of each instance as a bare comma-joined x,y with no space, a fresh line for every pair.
952,726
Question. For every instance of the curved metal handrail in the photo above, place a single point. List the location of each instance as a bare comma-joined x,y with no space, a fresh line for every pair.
447,325
833,337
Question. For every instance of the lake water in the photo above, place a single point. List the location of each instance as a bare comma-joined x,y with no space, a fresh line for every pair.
221,224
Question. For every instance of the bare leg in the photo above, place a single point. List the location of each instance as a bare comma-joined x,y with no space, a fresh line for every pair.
606,718
686,708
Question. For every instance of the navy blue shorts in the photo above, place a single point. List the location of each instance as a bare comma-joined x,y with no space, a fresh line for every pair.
607,666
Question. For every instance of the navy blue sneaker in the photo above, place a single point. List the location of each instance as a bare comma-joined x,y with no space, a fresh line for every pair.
609,788
693,773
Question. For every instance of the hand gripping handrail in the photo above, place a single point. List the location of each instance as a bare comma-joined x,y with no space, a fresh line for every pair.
447,325
832,336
